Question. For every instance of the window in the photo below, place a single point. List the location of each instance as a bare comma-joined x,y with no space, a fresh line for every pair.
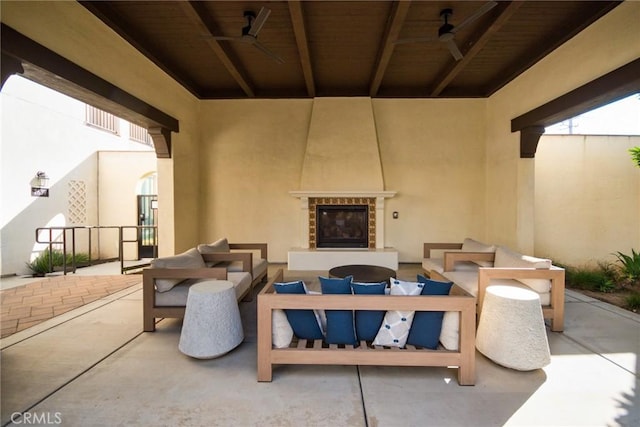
139,134
102,120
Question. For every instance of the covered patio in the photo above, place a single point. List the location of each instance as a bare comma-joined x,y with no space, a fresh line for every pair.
94,366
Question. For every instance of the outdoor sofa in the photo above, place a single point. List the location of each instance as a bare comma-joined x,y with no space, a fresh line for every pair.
272,351
474,265
166,283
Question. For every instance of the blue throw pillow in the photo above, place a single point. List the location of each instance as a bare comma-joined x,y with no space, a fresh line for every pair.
368,321
427,325
340,329
304,323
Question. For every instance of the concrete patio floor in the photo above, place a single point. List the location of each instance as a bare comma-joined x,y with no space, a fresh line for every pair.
93,366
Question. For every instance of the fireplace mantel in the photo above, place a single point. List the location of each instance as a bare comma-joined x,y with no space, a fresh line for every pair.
359,193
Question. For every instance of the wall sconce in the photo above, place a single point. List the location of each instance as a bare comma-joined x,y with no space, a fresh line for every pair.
39,185
41,180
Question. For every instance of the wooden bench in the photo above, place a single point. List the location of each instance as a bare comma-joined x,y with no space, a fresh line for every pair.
316,352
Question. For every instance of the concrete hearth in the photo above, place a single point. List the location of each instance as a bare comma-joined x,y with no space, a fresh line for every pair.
325,259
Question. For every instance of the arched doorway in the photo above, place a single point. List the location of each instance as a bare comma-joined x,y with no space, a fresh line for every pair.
147,194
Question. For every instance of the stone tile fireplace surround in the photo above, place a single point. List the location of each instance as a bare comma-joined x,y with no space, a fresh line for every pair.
309,257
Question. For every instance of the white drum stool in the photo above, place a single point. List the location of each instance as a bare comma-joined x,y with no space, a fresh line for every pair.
212,324
511,329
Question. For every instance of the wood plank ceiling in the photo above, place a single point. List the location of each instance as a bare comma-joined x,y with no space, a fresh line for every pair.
345,48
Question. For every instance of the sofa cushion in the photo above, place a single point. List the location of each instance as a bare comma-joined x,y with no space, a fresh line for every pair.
437,265
395,327
368,321
467,280
187,259
258,266
305,323
471,245
506,258
177,296
340,326
241,282
427,325
281,332
220,245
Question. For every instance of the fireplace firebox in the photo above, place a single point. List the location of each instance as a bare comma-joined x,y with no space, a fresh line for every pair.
342,226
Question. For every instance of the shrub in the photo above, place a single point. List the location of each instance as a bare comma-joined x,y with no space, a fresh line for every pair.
635,155
592,279
40,265
633,302
630,264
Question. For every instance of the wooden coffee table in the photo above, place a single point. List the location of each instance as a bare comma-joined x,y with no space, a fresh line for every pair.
363,273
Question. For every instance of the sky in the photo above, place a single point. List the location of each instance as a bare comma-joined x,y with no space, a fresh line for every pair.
618,118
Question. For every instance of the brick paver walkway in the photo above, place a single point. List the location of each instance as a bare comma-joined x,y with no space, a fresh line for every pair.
27,305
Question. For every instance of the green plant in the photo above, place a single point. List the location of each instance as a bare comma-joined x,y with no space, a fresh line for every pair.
635,155
41,264
592,279
633,302
630,264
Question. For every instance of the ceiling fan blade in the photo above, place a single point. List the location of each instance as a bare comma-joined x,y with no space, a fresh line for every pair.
478,13
267,52
453,48
416,40
257,23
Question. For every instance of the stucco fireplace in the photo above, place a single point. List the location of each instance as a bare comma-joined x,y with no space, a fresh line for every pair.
341,172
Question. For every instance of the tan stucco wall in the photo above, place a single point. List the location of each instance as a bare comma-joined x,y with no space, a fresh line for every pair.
118,176
432,153
70,30
251,157
587,198
609,43
254,151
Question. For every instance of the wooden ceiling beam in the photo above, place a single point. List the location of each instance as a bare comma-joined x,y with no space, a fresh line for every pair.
108,15
40,64
202,21
394,25
300,32
482,36
615,85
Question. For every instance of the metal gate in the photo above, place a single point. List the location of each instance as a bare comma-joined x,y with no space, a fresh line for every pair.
147,219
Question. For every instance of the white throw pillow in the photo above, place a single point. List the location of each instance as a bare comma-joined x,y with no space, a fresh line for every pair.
282,334
470,245
220,245
188,259
506,258
450,333
395,327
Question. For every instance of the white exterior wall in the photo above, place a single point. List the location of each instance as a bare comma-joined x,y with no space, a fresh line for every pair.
587,198
43,130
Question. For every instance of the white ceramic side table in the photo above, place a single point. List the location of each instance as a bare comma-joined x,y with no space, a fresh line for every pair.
212,324
511,329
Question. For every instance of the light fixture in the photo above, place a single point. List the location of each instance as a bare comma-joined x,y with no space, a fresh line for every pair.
40,185
41,180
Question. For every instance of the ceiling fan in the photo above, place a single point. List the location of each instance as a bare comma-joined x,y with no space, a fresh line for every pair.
447,31
250,32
